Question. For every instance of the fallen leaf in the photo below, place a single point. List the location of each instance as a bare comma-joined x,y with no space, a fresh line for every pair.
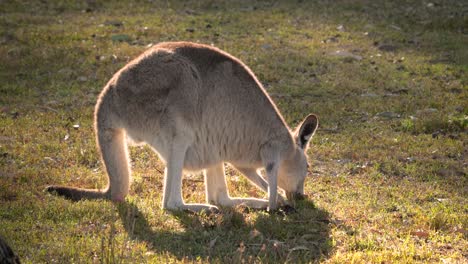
395,27
461,231
6,139
213,242
5,109
420,233
255,233
299,248
49,160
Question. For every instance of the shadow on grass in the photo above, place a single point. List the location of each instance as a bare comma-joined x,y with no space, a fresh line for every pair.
235,235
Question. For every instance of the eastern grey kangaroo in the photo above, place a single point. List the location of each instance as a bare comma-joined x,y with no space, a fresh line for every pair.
197,107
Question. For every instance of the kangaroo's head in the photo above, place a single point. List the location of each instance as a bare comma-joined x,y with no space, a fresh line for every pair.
293,171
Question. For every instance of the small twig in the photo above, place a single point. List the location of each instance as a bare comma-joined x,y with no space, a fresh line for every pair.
49,108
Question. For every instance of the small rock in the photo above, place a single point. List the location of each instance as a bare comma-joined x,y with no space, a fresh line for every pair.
369,95
14,114
448,172
191,12
191,30
82,79
340,28
346,55
427,111
387,47
456,90
76,126
389,115
343,161
401,91
213,242
332,39
121,38
113,23
266,46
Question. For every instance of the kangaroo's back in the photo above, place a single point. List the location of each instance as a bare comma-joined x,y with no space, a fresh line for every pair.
236,115
198,90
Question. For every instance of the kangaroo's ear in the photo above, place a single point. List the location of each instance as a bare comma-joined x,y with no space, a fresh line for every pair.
306,130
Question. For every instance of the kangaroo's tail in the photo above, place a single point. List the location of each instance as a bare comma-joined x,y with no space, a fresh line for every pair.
112,144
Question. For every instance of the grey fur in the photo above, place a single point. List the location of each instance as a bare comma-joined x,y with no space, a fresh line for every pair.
197,107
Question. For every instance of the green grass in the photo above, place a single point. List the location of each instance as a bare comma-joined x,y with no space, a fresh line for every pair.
389,175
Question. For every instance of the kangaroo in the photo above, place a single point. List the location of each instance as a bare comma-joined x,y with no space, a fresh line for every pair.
197,107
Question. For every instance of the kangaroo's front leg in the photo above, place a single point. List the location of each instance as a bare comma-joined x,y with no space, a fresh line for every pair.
270,154
255,178
272,172
217,192
172,197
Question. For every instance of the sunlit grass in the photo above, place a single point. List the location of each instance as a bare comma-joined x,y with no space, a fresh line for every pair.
388,181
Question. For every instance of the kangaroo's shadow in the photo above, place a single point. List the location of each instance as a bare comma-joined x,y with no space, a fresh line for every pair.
236,235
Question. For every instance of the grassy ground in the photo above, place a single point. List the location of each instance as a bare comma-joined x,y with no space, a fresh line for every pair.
389,177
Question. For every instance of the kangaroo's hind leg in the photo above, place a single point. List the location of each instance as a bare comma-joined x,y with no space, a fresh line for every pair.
217,192
172,196
115,156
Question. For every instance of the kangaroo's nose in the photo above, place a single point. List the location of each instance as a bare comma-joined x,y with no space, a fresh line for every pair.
295,196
